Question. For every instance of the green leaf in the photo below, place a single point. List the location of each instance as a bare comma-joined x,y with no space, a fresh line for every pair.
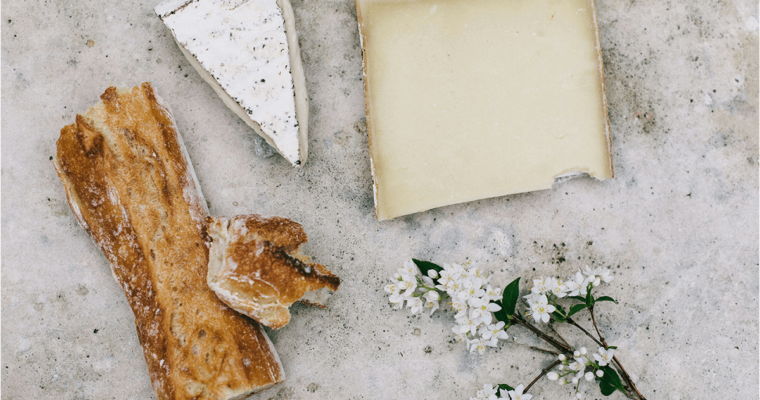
613,347
579,298
426,266
504,386
511,294
574,309
606,388
606,298
501,315
559,314
559,317
610,381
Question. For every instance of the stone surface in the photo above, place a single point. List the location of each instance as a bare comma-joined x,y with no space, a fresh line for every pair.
678,225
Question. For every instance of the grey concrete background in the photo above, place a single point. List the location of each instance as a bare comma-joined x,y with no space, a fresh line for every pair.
678,225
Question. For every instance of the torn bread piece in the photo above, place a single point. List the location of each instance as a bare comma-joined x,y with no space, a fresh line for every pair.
255,267
131,186
247,50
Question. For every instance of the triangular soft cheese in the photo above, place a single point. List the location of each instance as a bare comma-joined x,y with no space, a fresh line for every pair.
247,50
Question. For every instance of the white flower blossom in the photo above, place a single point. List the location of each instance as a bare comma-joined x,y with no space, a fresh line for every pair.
407,284
458,305
540,286
392,288
480,345
469,290
469,297
460,337
482,309
516,394
432,298
415,303
602,274
466,324
579,368
494,330
397,300
604,357
487,393
541,309
558,287
552,376
577,285
589,376
432,306
409,268
493,294
444,278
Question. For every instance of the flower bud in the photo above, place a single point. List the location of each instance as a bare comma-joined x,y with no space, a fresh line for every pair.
553,376
578,395
599,373
432,295
576,354
561,367
562,357
575,381
589,376
432,273
584,351
563,381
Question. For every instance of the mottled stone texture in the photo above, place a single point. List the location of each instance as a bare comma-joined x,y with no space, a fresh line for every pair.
678,225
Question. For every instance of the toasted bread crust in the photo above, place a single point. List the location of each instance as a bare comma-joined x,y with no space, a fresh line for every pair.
133,189
256,269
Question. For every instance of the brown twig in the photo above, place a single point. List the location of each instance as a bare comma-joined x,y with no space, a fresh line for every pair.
552,352
572,322
551,326
548,339
544,372
623,372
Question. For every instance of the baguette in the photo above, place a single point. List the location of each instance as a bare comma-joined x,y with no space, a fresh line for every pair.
132,187
255,267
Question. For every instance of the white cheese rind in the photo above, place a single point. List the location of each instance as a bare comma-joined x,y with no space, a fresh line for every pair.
247,50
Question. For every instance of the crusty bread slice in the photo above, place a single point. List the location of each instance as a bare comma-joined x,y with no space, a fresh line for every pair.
255,267
132,187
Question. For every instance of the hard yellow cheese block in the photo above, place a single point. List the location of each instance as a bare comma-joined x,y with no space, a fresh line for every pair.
471,99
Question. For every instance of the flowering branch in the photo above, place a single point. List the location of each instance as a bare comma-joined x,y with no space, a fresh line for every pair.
484,314
572,322
627,377
559,346
544,372
623,372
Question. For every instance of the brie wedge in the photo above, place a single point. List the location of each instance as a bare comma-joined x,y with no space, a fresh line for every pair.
471,99
247,50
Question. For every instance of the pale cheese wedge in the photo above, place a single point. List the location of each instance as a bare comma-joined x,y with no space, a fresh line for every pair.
471,99
247,50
